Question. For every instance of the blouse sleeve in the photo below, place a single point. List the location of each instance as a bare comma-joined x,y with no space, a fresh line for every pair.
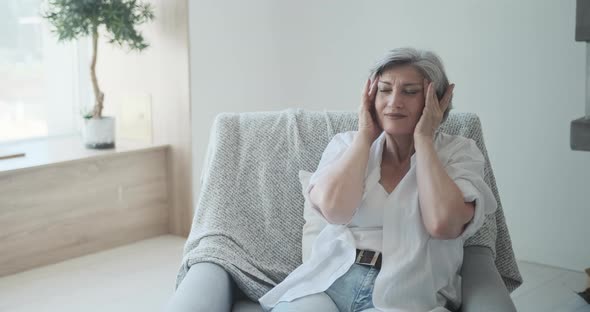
465,166
335,149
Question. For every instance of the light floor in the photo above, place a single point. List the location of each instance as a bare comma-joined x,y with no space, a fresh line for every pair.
550,289
135,277
141,276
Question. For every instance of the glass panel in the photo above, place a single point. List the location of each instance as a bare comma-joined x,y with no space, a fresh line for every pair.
38,84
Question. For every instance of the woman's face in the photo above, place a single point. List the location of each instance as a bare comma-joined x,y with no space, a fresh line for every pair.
400,100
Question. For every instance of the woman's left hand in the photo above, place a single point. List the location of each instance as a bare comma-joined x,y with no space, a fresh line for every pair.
433,111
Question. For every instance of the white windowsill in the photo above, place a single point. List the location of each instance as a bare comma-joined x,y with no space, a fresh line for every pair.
58,150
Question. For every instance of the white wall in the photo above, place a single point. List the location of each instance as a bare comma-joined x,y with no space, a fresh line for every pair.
515,64
160,77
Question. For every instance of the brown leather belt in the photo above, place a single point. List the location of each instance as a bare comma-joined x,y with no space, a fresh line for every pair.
368,257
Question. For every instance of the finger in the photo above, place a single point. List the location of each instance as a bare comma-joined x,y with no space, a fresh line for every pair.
374,86
373,90
365,96
429,97
444,103
435,101
366,88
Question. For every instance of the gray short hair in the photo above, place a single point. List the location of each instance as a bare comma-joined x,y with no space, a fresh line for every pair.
427,62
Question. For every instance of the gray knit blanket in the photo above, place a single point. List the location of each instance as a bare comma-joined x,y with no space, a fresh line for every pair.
249,214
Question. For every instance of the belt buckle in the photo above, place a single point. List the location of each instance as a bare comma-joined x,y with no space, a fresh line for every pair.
374,258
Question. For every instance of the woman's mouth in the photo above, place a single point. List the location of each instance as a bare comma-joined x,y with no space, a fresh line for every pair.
395,116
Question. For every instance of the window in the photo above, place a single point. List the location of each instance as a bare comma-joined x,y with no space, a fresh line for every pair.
39,85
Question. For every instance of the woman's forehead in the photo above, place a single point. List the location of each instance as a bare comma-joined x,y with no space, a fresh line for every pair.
402,74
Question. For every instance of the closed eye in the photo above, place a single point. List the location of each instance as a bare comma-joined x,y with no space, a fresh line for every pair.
411,91
384,90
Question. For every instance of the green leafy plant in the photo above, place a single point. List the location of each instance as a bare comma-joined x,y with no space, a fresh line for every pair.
72,19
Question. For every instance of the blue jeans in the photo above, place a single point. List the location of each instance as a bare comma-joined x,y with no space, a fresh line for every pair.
352,292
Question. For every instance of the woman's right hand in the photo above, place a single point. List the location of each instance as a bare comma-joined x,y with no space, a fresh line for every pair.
368,124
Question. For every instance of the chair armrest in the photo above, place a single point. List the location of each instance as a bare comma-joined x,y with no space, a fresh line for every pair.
207,287
482,285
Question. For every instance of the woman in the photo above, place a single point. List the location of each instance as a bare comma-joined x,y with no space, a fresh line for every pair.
400,199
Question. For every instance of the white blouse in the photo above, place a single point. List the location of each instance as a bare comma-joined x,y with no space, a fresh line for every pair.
418,272
367,223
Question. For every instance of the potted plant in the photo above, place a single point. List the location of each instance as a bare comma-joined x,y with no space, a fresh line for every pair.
72,19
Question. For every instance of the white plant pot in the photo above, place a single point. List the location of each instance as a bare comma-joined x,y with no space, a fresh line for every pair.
99,133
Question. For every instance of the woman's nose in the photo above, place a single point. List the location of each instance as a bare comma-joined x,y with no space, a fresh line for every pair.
395,100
